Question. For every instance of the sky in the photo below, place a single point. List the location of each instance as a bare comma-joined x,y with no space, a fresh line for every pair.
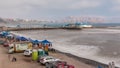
54,9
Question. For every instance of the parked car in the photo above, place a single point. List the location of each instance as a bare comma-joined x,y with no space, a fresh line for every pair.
55,64
65,66
28,52
59,64
46,59
5,44
1,42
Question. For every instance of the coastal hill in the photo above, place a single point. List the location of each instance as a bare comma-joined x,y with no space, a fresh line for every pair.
69,19
84,20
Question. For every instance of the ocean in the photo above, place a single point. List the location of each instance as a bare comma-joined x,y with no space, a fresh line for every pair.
99,44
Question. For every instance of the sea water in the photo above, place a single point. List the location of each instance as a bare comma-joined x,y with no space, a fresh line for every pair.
102,45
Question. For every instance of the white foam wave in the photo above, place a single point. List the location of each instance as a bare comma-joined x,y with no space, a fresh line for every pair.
85,51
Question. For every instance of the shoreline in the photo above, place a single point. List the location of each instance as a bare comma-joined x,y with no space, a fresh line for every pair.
85,60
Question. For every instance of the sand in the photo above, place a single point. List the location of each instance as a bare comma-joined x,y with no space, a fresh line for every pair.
25,62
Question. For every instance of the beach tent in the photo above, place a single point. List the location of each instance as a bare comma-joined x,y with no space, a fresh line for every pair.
1,35
46,42
16,36
10,36
35,41
29,39
21,38
5,33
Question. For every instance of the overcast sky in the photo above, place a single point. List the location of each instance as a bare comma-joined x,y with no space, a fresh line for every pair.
35,9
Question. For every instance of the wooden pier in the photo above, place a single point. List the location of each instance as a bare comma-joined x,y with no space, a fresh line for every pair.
37,28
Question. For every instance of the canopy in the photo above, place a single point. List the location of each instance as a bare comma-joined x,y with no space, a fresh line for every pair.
1,34
24,39
10,35
35,41
5,33
44,42
29,39
21,38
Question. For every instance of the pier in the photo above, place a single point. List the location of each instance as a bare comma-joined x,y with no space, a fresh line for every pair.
3,28
18,29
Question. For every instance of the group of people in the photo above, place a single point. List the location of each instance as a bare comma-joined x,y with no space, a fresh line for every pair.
111,65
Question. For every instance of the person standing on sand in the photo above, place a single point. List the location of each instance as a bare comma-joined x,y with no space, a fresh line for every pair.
111,65
14,59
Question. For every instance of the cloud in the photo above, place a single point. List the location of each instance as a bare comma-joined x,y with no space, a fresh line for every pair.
49,3
115,8
85,4
42,8
72,4
17,8
116,1
116,5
